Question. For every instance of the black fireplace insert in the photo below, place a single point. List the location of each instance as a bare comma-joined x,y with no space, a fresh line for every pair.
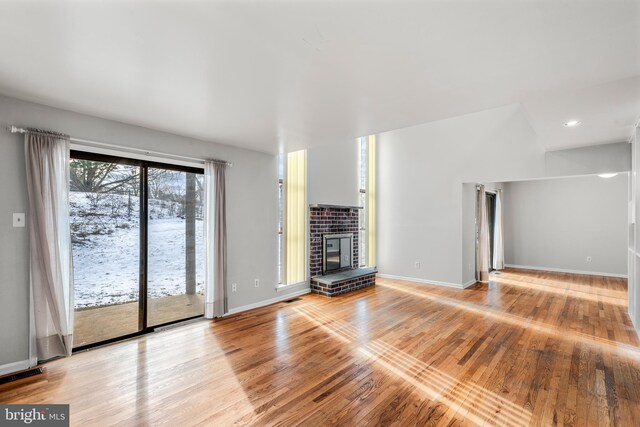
337,252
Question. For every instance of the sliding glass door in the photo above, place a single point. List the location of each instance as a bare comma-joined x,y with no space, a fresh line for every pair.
175,287
137,240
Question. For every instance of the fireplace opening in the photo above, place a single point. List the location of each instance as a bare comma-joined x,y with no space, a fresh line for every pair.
337,252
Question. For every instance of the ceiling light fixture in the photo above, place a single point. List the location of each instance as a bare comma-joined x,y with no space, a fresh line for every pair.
572,123
607,175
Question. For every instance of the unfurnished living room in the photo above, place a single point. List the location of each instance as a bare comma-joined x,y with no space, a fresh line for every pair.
319,212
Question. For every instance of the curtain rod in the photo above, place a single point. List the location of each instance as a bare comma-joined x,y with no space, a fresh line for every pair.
15,129
491,190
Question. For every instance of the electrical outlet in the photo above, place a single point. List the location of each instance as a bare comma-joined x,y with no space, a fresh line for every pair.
417,265
234,287
589,259
256,282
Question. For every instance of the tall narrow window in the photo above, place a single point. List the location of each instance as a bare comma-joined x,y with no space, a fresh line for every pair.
281,272
371,201
367,235
362,221
296,213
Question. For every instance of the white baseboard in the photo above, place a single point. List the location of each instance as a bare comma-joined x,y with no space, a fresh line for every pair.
10,368
562,270
634,322
208,310
268,302
293,287
425,281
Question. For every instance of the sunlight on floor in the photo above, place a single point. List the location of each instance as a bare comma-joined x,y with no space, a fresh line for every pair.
146,386
621,349
463,398
608,296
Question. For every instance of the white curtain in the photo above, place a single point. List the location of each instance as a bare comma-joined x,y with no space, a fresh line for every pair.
47,165
498,240
215,235
482,246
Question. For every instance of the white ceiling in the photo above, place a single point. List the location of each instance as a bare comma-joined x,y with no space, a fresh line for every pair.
274,75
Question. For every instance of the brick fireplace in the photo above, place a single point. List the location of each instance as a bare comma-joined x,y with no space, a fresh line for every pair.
328,220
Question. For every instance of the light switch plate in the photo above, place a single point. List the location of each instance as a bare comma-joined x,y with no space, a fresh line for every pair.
18,220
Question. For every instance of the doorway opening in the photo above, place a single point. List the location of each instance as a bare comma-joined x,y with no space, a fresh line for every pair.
491,218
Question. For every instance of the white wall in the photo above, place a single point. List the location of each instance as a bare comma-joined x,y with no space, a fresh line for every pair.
469,198
420,174
421,202
588,160
251,211
333,174
558,223
633,253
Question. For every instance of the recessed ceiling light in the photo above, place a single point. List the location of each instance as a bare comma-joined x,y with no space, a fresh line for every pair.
607,175
572,123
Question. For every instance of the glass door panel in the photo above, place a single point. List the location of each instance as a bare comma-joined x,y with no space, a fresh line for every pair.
105,234
175,275
332,255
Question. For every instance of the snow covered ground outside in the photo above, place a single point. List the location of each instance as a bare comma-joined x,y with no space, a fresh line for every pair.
106,248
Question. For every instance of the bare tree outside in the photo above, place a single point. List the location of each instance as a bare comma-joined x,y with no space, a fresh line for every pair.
105,222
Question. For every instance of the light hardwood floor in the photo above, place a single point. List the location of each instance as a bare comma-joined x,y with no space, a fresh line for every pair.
529,348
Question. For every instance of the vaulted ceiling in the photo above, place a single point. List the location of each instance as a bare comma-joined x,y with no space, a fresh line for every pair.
281,75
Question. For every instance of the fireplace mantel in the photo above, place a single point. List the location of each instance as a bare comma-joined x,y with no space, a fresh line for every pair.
335,206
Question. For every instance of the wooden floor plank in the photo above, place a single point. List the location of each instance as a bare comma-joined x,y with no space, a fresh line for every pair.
529,348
